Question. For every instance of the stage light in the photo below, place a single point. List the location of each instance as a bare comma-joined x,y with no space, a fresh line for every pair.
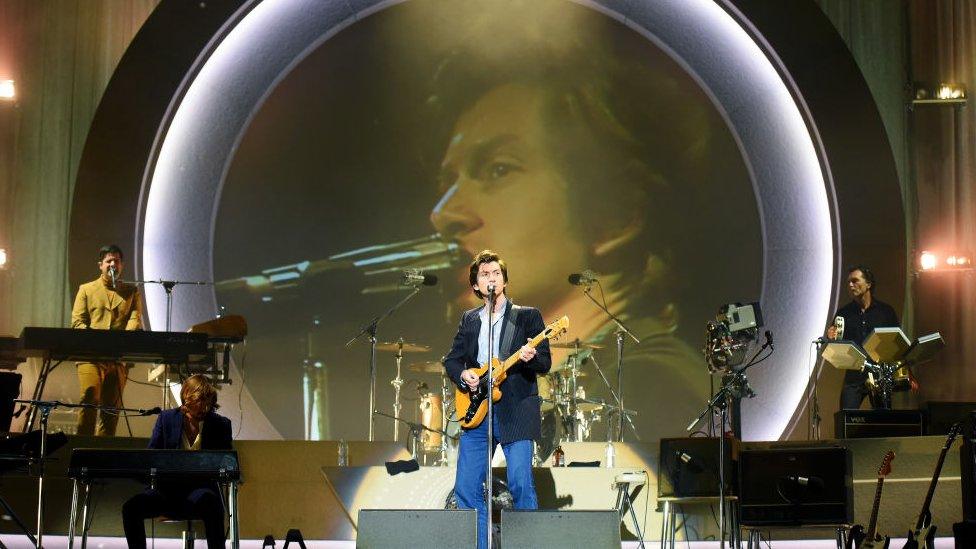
8,92
929,261
943,94
3,258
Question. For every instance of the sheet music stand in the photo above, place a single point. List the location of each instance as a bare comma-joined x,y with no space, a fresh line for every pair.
844,355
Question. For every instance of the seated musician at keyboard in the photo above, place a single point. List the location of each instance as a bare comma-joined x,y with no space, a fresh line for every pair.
193,426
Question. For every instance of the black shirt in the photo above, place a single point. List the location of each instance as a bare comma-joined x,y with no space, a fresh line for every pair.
858,325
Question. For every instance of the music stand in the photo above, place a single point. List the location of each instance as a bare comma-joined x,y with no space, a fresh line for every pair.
924,349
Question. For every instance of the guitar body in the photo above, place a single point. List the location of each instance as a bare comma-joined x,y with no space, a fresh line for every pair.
921,539
880,542
472,406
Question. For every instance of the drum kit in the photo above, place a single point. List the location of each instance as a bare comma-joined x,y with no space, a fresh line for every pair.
568,415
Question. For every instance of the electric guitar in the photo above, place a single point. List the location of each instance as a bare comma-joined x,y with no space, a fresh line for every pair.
870,539
923,535
472,405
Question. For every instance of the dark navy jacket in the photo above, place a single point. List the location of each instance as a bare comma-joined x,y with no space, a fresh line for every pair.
168,432
518,410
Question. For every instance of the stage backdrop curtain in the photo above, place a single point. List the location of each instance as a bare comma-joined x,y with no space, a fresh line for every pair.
61,53
944,142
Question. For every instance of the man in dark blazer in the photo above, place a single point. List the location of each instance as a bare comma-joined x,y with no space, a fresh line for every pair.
516,416
193,426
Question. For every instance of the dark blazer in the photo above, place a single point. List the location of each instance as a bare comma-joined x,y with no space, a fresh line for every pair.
518,410
168,432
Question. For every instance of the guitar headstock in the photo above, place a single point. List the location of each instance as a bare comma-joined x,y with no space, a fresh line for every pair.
556,328
953,433
885,468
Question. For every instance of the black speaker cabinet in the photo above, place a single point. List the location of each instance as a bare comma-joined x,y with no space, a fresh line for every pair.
967,467
796,487
942,415
689,467
879,423
560,529
399,528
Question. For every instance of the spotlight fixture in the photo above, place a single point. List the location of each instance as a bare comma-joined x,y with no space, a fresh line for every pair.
929,261
3,258
8,91
943,94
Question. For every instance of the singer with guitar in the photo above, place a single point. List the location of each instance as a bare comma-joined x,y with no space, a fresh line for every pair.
516,415
862,315
105,303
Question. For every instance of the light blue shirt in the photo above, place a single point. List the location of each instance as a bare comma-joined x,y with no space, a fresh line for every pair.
496,334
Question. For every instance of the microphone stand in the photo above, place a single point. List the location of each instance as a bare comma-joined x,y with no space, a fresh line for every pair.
370,330
619,333
167,285
46,406
489,481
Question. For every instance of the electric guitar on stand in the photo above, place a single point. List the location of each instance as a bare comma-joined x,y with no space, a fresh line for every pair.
923,535
472,406
871,540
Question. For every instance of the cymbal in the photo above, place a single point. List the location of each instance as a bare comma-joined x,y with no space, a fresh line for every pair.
407,347
572,345
429,367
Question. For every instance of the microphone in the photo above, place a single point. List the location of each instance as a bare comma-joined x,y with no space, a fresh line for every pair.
491,292
416,277
839,326
111,274
151,411
769,339
584,278
806,482
685,458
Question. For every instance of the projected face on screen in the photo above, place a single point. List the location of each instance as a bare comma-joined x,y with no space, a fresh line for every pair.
581,147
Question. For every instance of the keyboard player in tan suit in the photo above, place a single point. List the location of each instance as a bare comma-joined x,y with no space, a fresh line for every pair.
105,304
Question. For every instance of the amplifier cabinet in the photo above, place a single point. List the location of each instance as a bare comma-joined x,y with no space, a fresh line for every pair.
796,487
879,423
689,467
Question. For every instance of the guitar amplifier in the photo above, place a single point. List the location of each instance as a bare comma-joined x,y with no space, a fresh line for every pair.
689,467
796,487
879,423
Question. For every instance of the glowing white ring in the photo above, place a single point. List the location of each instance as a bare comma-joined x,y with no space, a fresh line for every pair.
184,186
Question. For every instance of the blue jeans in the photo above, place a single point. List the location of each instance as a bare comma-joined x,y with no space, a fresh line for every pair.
471,473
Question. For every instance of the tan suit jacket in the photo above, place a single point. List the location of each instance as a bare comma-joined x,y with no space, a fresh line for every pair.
100,307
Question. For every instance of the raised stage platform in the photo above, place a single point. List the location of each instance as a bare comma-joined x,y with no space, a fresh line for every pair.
298,484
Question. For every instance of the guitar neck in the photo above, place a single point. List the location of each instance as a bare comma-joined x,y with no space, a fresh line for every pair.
512,360
873,524
920,523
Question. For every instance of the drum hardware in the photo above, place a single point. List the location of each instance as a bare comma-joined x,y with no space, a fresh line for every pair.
415,431
400,346
620,332
428,367
370,330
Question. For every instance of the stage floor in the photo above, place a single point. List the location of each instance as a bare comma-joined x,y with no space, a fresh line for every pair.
58,542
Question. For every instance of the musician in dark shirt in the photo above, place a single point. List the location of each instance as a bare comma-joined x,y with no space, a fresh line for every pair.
861,316
193,426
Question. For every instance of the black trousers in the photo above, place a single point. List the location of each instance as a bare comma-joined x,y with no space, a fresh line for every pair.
203,503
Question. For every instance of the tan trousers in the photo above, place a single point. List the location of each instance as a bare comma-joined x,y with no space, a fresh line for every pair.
101,384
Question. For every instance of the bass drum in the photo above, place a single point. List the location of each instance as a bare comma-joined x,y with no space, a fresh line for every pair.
547,391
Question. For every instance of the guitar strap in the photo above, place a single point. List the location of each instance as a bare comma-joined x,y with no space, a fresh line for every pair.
506,343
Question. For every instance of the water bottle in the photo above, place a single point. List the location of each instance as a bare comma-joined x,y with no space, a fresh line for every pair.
611,455
559,457
343,453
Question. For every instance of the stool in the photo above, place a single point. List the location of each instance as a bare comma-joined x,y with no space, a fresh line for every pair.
189,537
622,483
669,525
